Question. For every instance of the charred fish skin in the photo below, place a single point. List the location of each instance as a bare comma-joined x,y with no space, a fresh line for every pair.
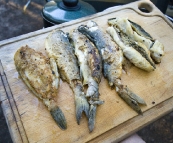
91,71
36,72
112,62
60,49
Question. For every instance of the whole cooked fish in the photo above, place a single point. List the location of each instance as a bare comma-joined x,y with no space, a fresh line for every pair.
112,63
42,78
139,36
61,52
90,70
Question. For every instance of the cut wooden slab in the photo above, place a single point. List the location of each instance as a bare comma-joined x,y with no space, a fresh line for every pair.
115,119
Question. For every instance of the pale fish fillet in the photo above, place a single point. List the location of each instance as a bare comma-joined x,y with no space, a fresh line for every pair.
130,53
112,58
138,34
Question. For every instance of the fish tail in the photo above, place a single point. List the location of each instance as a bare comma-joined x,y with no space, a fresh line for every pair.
81,104
59,117
92,113
130,98
92,116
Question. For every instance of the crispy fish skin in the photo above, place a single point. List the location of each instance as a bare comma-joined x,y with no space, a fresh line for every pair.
138,34
59,48
90,69
112,63
35,70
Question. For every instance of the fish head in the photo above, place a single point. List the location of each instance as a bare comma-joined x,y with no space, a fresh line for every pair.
84,29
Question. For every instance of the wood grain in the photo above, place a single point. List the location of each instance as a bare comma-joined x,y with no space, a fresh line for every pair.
115,120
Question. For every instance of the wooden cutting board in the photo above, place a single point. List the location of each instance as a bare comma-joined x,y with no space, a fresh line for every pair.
29,120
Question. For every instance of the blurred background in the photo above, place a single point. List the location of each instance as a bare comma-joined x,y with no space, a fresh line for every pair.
14,22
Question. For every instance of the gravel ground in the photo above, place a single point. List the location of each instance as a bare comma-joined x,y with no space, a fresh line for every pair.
14,23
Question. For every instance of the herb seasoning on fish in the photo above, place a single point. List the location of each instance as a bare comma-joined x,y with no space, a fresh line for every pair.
112,63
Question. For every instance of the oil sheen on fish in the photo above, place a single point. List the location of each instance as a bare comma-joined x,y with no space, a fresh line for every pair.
90,70
137,34
112,58
61,51
42,78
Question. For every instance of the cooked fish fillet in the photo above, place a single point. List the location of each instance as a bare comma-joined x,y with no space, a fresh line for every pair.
112,62
136,33
157,51
125,26
90,70
136,54
61,51
41,78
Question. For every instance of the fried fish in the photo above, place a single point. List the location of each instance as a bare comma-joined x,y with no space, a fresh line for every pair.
42,78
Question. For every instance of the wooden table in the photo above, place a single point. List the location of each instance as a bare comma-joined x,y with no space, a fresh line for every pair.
29,120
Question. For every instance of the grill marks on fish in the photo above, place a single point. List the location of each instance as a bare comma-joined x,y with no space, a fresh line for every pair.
36,72
94,62
91,71
60,49
112,58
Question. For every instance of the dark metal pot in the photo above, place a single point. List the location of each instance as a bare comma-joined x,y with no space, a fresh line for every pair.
56,12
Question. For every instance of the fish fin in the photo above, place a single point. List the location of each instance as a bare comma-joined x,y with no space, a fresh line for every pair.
130,98
81,106
137,98
59,117
92,115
